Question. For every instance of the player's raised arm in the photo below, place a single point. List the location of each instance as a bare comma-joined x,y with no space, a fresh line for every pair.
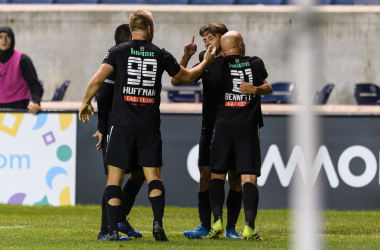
193,74
248,89
189,51
92,88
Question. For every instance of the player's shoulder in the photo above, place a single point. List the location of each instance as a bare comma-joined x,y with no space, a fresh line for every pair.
202,55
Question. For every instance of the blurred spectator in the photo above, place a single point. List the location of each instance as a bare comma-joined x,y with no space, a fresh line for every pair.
18,78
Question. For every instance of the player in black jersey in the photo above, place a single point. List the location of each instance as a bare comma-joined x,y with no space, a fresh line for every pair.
237,126
136,179
135,137
211,35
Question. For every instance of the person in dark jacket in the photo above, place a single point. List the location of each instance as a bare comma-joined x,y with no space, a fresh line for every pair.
18,78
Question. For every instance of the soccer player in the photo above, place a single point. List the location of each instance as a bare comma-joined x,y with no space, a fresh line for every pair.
238,84
135,137
211,35
136,179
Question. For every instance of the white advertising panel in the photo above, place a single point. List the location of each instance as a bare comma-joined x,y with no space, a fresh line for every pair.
37,158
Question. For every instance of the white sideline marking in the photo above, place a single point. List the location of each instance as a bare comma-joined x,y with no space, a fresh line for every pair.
12,227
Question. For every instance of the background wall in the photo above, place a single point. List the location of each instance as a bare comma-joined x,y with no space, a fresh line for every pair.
69,41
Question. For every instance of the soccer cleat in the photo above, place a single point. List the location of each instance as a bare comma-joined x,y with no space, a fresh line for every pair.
198,233
250,234
114,237
158,232
231,233
216,229
126,228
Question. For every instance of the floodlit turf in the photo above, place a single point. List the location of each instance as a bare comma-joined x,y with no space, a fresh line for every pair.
77,228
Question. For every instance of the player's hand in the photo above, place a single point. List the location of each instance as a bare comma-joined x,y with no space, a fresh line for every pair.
210,55
247,89
84,112
190,48
34,108
100,143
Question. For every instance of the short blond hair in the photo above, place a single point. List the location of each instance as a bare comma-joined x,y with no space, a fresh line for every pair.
140,20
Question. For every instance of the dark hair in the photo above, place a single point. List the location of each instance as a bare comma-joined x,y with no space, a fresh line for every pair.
122,34
213,29
140,20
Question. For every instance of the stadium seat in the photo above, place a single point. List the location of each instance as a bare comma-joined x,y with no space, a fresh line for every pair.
182,96
31,1
367,94
283,92
366,2
267,2
122,1
322,96
212,1
76,1
166,1
60,92
3,1
342,2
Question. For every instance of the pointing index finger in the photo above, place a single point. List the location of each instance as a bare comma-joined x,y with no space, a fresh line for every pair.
192,40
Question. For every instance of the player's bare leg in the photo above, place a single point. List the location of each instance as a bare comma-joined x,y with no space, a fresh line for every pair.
113,197
251,202
217,197
129,192
156,191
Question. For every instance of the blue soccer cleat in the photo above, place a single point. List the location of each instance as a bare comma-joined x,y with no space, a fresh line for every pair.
114,237
198,233
126,228
231,233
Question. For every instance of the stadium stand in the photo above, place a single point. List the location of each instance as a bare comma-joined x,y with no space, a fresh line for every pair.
121,1
3,1
267,2
212,1
367,94
32,1
76,1
183,96
322,96
166,1
283,92
60,92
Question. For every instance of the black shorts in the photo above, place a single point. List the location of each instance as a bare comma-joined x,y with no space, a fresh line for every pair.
240,140
205,149
131,147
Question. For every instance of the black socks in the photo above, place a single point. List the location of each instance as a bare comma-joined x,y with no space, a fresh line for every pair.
217,198
104,226
113,192
251,202
158,202
129,193
234,200
204,209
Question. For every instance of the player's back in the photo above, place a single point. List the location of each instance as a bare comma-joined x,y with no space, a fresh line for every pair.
227,74
139,66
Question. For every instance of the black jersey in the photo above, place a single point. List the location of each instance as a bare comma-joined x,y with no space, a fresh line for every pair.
139,66
105,97
227,73
209,103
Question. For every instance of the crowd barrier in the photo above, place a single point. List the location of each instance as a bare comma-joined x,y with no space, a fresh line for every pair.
51,159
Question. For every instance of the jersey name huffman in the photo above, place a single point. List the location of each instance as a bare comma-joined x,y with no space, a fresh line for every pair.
139,91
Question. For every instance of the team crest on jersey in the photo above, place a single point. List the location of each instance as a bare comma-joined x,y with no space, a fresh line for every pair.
142,48
237,61
106,56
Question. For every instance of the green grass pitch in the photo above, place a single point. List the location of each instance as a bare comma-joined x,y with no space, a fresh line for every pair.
24,227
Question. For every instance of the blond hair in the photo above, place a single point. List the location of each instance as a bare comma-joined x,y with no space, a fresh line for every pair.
140,20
